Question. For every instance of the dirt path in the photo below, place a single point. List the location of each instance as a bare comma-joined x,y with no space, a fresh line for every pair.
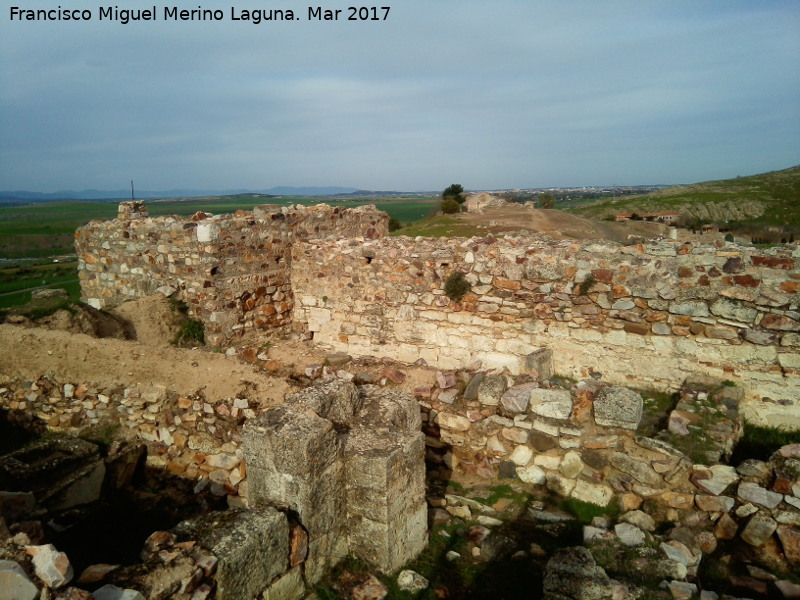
560,224
30,353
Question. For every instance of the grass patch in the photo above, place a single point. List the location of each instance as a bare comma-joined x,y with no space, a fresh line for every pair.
192,333
586,511
440,226
456,286
761,442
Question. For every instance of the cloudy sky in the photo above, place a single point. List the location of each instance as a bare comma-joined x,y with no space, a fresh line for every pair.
501,94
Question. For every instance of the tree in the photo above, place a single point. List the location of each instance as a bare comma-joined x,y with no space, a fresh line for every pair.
455,192
452,198
450,206
547,200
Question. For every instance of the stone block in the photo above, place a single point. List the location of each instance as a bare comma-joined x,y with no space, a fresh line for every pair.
554,404
289,586
389,546
252,548
616,406
517,398
290,441
541,363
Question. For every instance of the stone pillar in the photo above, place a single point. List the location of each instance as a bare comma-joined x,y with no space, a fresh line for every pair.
132,210
352,466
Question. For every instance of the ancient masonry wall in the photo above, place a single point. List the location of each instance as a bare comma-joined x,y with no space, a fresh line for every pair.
645,315
233,271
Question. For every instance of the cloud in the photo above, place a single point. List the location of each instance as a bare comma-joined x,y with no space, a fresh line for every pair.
501,94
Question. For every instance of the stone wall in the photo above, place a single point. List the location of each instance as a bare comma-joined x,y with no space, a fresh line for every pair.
232,271
645,315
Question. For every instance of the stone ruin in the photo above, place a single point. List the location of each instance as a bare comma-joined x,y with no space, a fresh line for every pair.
350,463
338,469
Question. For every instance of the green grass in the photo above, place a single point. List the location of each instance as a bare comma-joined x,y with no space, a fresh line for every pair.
15,283
760,442
586,511
440,226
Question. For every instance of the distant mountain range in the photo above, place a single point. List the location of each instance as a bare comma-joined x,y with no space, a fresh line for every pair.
24,196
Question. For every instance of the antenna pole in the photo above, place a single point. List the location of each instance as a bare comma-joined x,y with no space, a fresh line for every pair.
132,198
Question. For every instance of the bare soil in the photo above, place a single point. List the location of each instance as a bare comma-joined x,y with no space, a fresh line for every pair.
561,225
32,352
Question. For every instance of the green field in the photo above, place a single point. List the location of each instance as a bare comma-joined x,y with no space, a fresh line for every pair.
47,229
17,282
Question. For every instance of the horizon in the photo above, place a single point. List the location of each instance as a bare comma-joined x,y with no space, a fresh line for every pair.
502,95
217,190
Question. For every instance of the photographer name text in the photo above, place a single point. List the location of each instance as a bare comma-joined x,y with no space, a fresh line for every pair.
125,16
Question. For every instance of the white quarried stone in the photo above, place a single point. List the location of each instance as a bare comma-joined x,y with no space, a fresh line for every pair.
594,493
14,582
630,535
454,422
531,474
721,477
752,492
571,465
547,461
521,455
411,581
206,232
51,566
554,404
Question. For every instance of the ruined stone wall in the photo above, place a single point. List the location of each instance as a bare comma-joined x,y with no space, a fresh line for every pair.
643,315
231,270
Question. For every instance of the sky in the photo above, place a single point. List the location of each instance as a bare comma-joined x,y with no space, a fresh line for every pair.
491,95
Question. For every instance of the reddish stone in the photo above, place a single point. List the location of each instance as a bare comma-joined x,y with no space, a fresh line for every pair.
791,287
394,375
603,275
773,262
298,545
783,484
250,355
780,323
582,406
640,328
620,291
726,528
790,541
746,281
685,272
506,284
423,391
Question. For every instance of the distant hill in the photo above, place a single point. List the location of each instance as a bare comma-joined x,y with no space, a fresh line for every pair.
768,199
27,197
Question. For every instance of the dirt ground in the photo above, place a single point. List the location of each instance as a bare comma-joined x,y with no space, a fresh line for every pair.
560,225
30,352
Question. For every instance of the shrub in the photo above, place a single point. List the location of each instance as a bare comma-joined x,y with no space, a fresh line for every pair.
394,224
456,286
192,333
450,206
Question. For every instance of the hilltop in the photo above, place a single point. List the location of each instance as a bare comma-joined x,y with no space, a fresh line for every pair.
768,199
